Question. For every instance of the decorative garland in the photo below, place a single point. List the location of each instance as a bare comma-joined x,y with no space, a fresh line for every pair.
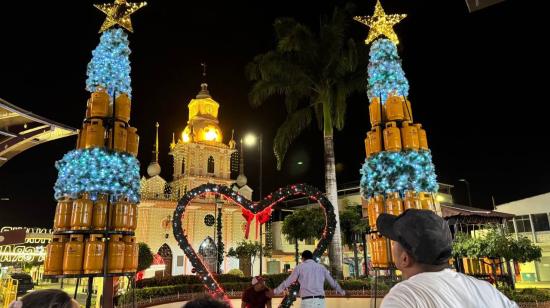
97,171
387,172
258,209
220,245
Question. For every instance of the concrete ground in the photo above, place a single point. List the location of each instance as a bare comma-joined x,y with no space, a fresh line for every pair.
335,302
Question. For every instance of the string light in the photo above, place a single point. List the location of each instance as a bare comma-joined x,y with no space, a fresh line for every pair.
97,171
110,64
386,76
387,172
380,24
213,287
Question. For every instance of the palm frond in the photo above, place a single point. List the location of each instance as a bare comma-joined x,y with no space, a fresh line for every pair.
291,128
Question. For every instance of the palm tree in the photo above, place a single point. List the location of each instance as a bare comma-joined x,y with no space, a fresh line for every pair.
316,73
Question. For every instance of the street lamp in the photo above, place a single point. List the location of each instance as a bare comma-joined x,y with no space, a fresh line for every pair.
468,190
250,141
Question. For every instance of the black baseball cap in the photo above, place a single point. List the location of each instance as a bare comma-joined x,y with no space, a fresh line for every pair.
421,232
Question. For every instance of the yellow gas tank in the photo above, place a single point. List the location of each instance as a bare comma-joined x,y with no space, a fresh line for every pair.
409,135
422,137
375,139
116,254
121,137
375,112
53,264
120,216
411,201
367,146
382,247
394,108
365,208
426,201
394,204
82,213
407,110
132,217
93,254
63,210
372,249
99,103
73,257
377,207
99,221
392,137
82,137
130,254
132,141
122,107
95,134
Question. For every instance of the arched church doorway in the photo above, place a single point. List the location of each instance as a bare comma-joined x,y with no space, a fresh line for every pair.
208,252
166,253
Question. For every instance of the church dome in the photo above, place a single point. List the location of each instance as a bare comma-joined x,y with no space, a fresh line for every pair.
153,169
241,180
203,118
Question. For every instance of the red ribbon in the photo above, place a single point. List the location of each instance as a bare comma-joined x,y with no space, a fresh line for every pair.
248,216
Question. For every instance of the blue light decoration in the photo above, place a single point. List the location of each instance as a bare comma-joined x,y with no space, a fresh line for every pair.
110,64
385,73
97,171
387,172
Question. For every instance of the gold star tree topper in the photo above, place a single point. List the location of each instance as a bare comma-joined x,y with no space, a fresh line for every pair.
380,24
119,13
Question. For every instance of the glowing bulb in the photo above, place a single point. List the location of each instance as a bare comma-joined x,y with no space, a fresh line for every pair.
250,140
211,135
185,137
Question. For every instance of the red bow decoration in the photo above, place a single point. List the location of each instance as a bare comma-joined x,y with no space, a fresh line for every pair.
248,216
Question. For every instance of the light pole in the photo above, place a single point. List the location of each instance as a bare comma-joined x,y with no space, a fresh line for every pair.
250,140
467,190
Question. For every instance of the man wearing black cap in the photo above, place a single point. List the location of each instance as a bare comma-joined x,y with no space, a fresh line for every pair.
421,248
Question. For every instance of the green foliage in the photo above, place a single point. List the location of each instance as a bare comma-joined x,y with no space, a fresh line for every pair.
236,272
315,71
528,295
145,257
496,244
245,249
351,224
303,224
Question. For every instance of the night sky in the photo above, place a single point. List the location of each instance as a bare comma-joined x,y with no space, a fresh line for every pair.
476,85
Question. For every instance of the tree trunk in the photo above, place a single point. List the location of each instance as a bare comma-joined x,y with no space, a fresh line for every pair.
297,252
355,256
335,250
365,257
512,278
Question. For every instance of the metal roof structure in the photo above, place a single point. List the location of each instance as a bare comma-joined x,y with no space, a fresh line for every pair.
21,129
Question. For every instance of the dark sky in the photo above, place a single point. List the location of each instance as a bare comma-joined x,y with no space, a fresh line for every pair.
476,86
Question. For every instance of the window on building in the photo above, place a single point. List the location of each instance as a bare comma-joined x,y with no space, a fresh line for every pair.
210,164
510,226
540,222
523,224
183,166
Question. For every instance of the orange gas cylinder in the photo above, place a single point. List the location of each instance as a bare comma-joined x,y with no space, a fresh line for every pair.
375,139
367,146
382,247
120,215
394,205
99,103
407,110
411,201
73,257
426,201
62,219
95,134
394,108
121,137
82,213
132,141
116,254
375,112
132,217
130,254
372,250
53,264
88,114
81,142
422,138
377,205
392,137
93,254
99,221
122,107
409,135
